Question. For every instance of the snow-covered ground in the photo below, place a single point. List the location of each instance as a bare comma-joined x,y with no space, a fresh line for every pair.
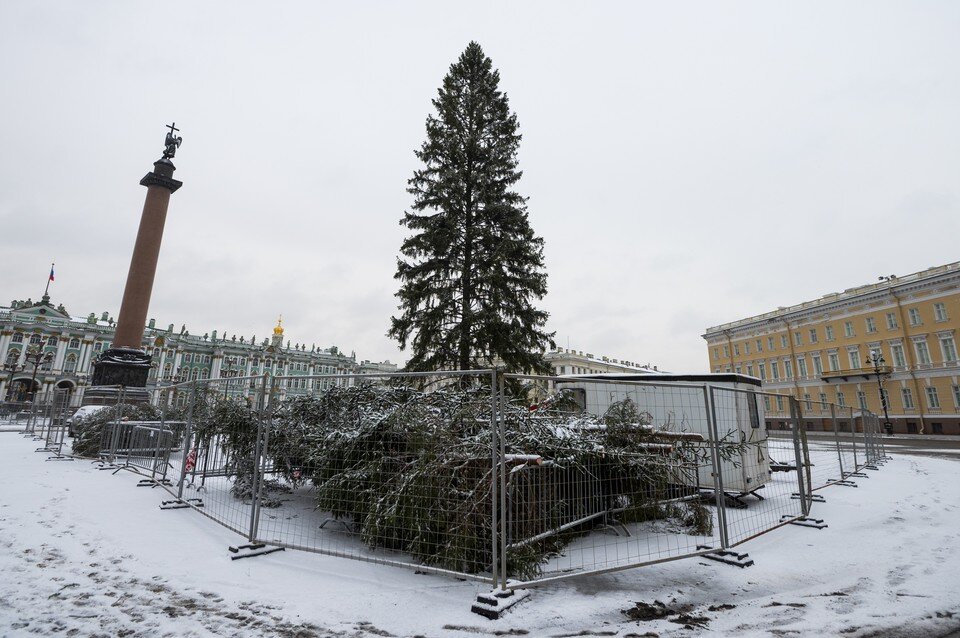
85,553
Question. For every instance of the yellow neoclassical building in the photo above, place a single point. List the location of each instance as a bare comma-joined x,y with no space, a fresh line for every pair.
902,330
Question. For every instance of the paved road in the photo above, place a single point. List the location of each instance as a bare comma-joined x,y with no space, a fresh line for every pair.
941,447
937,446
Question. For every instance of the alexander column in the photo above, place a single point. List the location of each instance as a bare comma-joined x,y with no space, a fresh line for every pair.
126,363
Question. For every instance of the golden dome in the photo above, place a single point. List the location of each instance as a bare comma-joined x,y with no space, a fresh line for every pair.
278,331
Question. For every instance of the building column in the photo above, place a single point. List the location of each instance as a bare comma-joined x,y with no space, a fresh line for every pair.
177,356
5,338
216,365
87,356
62,342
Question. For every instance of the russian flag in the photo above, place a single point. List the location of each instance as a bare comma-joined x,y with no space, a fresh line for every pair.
51,272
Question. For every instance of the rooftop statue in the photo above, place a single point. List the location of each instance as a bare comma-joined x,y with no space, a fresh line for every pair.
172,142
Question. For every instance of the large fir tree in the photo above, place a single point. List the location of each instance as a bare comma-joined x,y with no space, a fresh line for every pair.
472,268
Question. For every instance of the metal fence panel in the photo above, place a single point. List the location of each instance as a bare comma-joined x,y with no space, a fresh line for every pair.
393,469
210,466
751,509
615,476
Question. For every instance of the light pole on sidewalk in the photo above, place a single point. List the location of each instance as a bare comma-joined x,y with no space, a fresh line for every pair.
880,369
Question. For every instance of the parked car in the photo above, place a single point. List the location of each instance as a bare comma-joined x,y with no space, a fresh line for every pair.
81,413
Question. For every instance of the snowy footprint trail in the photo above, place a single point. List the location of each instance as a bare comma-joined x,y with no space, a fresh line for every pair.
76,562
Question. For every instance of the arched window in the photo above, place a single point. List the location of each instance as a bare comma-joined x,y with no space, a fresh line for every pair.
17,337
71,363
74,343
13,356
195,374
36,340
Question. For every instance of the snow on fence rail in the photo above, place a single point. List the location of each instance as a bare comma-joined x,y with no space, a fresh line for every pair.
516,480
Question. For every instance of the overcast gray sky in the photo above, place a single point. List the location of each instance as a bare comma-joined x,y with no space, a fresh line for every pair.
687,164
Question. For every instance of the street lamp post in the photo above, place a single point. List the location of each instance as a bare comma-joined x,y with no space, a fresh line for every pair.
879,368
11,367
36,356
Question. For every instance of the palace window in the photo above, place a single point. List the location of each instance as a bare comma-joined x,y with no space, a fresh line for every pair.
759,345
779,403
774,370
848,329
933,401
914,317
817,365
806,399
892,323
923,352
948,348
896,350
749,369
841,400
834,361
823,397
98,346
36,340
907,395
763,371
74,343
783,341
829,332
854,355
956,396
871,324
736,350
726,351
187,358
813,335
801,367
770,345
797,339
17,337
940,311
71,364
862,399
788,369
766,402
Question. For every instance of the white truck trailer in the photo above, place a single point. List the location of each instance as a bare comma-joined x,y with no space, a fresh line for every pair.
680,403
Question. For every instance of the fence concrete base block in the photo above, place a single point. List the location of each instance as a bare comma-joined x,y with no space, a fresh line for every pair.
252,549
492,605
871,467
728,557
816,498
776,466
816,523
59,457
859,475
179,505
154,482
844,483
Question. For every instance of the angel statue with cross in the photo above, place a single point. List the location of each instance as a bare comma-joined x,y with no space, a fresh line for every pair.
172,142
